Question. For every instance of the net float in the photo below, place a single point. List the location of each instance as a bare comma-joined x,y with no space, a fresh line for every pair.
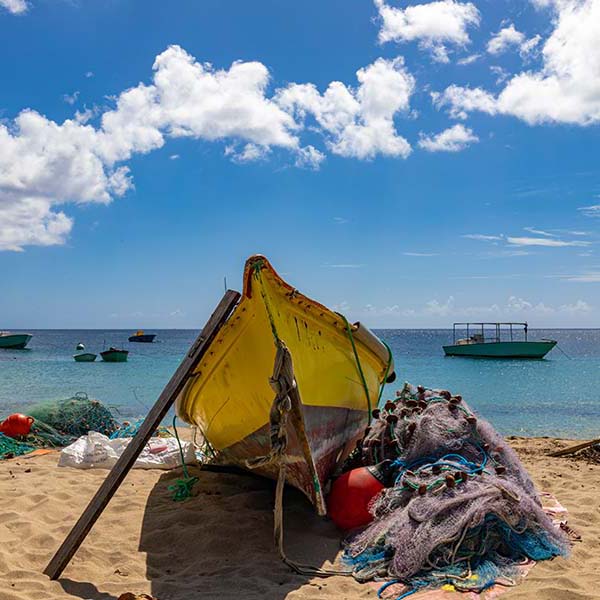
16,425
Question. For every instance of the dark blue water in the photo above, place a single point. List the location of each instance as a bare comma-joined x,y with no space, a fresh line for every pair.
558,396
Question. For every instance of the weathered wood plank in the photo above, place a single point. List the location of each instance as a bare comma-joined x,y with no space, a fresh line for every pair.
573,449
117,474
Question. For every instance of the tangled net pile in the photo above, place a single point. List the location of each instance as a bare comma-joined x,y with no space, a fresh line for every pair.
460,509
10,448
60,422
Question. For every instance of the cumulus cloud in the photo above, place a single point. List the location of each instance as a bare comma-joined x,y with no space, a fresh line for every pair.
454,139
504,39
16,7
45,165
567,87
357,122
509,37
434,26
463,100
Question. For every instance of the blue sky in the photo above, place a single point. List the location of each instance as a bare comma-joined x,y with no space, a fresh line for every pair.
409,164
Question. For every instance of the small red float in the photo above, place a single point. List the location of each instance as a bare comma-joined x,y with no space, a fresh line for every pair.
16,425
351,495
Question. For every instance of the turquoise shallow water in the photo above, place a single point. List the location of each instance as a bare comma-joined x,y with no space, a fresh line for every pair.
558,396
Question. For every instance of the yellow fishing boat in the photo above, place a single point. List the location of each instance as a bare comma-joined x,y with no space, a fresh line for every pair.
337,371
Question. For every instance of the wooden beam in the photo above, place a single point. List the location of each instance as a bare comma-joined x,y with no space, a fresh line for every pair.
573,449
157,413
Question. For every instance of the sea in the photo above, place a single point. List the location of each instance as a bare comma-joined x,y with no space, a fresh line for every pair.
558,396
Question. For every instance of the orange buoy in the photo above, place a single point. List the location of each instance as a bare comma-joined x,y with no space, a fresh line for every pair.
16,425
351,495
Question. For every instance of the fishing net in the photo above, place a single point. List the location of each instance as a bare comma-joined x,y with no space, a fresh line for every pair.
9,448
459,507
127,429
59,422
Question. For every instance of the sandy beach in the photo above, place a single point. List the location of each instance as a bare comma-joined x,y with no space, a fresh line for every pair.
219,544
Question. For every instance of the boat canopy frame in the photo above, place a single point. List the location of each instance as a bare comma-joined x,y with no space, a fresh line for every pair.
481,326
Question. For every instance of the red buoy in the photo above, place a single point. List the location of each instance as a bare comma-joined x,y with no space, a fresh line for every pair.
351,495
16,425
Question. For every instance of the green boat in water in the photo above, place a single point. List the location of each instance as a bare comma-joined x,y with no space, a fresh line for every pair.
14,341
85,357
484,340
114,355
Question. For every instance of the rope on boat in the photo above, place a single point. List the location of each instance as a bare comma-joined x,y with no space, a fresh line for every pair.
359,366
387,372
559,348
283,382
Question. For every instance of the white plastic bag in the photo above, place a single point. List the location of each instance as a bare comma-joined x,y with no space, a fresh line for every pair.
96,451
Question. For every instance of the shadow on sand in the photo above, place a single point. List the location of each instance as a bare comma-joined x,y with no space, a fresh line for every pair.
219,544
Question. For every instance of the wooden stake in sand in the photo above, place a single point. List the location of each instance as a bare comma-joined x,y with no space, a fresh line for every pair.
117,474
573,449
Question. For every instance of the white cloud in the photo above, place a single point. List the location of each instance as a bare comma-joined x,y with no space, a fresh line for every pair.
590,211
357,122
434,25
547,242
463,100
454,139
309,157
567,87
420,254
71,98
433,307
248,153
501,74
45,165
578,307
173,156
468,60
89,74
504,39
588,277
483,238
15,7
528,46
509,37
539,231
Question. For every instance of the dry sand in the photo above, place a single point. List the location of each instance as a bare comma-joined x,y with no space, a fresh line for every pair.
219,544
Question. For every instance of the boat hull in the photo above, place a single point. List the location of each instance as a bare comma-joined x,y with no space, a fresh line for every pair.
502,349
85,357
230,397
146,338
15,341
114,356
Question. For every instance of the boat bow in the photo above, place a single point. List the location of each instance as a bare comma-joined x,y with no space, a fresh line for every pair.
338,369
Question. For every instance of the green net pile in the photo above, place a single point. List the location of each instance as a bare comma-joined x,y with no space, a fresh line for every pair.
10,448
59,422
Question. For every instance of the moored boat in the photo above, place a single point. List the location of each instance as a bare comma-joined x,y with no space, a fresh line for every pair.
338,370
488,343
140,336
114,355
14,341
85,357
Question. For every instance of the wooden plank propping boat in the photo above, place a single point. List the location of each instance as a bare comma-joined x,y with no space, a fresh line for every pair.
338,369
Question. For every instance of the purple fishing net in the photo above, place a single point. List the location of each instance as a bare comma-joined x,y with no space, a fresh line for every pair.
458,499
